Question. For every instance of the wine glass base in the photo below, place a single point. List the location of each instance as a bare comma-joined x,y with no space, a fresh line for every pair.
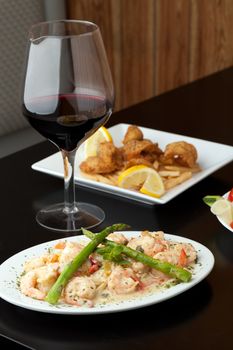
55,217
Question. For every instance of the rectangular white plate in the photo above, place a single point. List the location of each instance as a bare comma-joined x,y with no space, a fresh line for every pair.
211,157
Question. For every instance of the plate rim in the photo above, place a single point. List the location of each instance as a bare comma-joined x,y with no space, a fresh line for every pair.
136,303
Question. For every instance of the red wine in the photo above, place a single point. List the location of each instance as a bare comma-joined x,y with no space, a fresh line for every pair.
67,119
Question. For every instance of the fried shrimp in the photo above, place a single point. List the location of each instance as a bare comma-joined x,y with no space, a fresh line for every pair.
182,153
141,149
108,159
133,133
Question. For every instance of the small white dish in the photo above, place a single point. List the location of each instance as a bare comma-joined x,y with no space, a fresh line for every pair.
11,269
222,221
211,157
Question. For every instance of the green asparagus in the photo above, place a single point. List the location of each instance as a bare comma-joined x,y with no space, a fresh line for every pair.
165,267
55,292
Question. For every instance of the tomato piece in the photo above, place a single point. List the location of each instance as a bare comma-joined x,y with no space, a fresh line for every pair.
231,224
93,268
182,258
230,195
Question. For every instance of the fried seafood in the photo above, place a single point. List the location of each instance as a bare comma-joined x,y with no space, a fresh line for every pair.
133,133
108,159
137,161
141,149
181,152
174,165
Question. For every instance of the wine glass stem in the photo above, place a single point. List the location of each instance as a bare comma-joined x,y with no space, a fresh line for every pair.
69,186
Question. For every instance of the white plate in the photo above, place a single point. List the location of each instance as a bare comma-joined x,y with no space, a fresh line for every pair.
11,269
212,156
223,222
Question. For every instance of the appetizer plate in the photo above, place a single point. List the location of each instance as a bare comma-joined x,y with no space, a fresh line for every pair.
211,157
11,269
222,221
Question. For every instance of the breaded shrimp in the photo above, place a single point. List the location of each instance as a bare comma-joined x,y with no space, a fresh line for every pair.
133,133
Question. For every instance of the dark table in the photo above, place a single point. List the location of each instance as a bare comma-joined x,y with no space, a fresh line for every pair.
202,317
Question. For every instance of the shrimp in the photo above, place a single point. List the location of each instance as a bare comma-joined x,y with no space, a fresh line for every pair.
118,238
139,267
79,289
37,282
34,263
69,253
173,254
122,281
147,243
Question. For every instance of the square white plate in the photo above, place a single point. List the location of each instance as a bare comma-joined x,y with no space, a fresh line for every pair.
211,157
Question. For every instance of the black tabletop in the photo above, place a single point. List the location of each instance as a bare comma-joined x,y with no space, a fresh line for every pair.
200,318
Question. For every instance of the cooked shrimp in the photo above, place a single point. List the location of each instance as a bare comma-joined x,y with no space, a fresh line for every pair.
34,263
118,238
133,133
37,282
139,267
122,281
98,277
79,289
147,243
173,254
69,252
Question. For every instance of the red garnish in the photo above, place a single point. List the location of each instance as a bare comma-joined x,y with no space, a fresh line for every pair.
182,258
230,195
94,265
141,285
93,268
231,224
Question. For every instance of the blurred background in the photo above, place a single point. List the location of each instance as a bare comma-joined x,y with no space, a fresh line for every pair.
153,46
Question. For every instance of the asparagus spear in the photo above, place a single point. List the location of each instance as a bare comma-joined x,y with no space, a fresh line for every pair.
55,292
165,267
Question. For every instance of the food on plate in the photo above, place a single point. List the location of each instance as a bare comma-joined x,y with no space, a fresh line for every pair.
107,160
133,133
108,268
182,153
109,164
92,143
146,179
222,207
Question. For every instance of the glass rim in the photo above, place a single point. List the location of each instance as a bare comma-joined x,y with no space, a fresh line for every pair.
74,21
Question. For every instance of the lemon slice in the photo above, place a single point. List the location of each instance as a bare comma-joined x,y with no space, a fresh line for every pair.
223,209
91,145
142,178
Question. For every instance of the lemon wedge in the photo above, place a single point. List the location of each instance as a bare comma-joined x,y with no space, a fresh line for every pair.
142,178
223,209
91,145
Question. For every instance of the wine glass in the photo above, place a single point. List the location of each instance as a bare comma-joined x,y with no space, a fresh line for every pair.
67,95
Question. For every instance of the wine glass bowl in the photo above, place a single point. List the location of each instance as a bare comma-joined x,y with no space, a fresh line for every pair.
67,95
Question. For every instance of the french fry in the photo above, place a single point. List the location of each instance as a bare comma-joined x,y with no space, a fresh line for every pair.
194,169
99,178
167,173
172,182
